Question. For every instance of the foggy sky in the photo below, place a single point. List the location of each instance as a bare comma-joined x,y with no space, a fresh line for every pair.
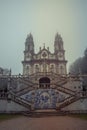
43,18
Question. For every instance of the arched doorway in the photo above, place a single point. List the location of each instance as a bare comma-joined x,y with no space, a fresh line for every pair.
44,82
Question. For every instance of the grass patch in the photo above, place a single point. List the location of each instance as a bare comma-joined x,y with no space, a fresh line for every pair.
81,116
8,116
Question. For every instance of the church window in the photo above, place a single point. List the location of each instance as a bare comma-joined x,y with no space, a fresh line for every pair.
79,87
31,48
61,69
36,68
27,67
52,68
74,87
44,67
28,56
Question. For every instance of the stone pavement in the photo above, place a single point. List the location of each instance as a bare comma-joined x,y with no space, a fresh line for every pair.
45,123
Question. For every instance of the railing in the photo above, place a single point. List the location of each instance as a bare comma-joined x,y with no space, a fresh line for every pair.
71,99
25,80
42,73
65,90
45,86
24,90
33,87
20,100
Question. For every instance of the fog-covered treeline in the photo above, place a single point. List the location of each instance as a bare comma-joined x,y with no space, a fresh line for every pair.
79,65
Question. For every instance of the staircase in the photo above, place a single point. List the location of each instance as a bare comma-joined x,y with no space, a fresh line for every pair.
70,100
20,101
24,90
29,86
62,79
59,85
64,90
26,81
44,113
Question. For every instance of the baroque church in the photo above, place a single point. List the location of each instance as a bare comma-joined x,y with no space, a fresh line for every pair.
44,61
44,83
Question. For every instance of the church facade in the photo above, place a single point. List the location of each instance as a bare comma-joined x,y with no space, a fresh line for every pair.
44,61
44,84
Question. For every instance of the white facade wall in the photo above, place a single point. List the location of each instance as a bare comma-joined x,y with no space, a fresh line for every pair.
80,105
10,106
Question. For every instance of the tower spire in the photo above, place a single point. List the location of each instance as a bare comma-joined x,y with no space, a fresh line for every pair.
29,43
44,45
58,43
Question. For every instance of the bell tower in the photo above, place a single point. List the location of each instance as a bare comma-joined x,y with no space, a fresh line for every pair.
58,43
60,54
28,54
29,44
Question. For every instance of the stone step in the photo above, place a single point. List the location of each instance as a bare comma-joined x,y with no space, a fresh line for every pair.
44,113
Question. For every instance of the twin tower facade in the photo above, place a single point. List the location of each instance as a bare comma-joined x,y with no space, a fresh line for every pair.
44,61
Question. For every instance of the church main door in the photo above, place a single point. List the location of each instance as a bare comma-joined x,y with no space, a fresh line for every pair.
44,82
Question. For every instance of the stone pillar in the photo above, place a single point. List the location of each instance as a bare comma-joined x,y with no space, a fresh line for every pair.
9,87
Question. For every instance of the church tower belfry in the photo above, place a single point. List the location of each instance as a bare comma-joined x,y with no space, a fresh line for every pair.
28,53
58,43
29,44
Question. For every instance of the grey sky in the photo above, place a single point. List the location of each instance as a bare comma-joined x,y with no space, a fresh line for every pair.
43,18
